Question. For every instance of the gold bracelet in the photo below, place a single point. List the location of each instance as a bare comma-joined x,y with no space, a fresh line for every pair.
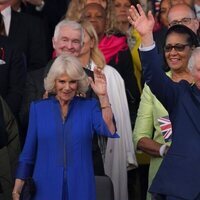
107,106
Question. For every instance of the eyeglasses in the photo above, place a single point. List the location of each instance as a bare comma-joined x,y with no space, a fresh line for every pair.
177,47
184,21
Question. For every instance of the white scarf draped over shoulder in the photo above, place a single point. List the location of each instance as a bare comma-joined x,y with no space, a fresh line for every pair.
120,154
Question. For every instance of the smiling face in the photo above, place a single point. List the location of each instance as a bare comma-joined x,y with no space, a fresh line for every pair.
177,60
95,14
65,88
68,41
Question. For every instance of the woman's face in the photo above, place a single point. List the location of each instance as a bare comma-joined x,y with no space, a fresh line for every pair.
177,58
103,3
164,9
97,16
65,88
121,10
88,44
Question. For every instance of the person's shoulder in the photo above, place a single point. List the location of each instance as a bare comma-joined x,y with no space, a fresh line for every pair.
111,72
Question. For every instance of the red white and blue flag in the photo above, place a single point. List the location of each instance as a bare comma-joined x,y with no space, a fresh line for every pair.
166,128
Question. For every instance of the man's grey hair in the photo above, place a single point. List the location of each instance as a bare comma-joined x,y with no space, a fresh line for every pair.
192,61
70,24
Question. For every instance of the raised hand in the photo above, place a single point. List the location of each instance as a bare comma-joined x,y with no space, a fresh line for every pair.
142,23
99,84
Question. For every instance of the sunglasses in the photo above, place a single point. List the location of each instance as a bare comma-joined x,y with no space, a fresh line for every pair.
176,47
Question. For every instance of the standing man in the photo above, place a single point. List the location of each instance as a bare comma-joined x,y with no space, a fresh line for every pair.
26,33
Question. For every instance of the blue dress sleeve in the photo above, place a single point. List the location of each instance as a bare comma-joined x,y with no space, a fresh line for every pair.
99,125
27,157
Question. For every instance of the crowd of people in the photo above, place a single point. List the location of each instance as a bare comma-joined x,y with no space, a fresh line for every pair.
100,88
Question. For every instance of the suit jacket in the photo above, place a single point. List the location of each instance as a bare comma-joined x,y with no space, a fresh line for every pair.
9,151
27,33
179,173
51,14
12,74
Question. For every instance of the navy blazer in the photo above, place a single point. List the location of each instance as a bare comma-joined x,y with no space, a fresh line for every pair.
28,35
179,173
12,74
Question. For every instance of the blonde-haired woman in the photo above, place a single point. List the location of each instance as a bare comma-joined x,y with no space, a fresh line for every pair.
57,152
119,153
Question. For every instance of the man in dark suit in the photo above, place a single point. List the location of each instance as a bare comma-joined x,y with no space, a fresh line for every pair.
50,11
27,33
12,74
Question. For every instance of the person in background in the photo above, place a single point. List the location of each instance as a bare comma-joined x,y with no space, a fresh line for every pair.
120,8
116,52
12,74
183,14
162,19
153,129
137,178
26,33
76,6
180,165
49,11
9,150
57,152
119,154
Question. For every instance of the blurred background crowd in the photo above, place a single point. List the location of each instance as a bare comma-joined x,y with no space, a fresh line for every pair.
29,43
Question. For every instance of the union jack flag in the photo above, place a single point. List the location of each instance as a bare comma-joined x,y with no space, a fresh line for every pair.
166,128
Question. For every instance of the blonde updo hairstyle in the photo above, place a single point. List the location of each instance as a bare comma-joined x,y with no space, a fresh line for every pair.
70,65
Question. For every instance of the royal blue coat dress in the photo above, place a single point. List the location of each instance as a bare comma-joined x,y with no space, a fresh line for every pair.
57,153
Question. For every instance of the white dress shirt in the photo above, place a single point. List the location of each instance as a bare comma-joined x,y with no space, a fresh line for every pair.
6,13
